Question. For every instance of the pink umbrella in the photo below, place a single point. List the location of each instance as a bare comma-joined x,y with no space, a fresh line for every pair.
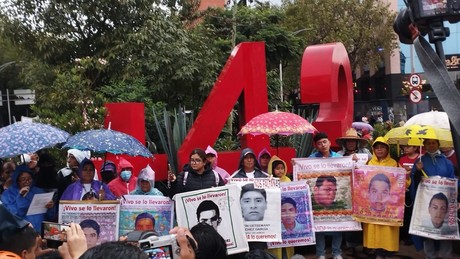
277,123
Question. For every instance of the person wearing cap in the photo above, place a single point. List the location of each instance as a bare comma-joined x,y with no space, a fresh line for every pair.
323,147
432,163
86,188
264,158
126,181
351,144
384,239
69,174
108,171
211,156
248,166
146,183
18,197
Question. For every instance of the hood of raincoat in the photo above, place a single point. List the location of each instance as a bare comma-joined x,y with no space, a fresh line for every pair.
387,161
270,167
21,169
82,164
146,174
245,152
261,153
123,163
210,150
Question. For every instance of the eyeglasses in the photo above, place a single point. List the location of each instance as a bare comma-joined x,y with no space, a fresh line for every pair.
195,161
25,179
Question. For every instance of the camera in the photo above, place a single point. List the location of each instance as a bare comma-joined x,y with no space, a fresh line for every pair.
428,15
164,247
425,10
54,233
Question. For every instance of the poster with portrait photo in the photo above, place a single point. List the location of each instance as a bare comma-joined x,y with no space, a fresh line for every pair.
296,216
146,212
435,209
330,181
259,198
378,194
200,206
99,219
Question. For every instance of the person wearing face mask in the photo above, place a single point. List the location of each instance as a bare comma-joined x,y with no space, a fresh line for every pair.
108,172
126,181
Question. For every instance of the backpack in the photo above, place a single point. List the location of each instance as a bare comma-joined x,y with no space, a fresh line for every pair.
216,175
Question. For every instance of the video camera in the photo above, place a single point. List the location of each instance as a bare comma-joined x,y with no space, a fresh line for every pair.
428,15
160,247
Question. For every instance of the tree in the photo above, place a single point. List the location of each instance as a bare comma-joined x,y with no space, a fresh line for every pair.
363,26
79,48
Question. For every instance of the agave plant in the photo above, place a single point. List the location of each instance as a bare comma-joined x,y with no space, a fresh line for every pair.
303,143
176,125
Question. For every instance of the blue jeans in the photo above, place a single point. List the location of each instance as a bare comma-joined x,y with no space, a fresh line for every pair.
321,243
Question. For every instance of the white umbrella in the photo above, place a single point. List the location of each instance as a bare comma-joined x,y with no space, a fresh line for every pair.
432,118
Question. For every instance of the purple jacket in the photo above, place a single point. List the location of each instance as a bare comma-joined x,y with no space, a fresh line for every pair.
74,191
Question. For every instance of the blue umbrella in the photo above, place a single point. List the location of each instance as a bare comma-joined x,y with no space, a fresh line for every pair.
28,137
107,140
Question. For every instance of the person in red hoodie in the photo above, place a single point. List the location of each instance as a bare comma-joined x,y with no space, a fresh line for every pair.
126,181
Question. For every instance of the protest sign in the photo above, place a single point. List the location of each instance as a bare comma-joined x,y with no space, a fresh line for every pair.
435,209
378,194
259,197
146,212
99,218
296,216
330,184
218,207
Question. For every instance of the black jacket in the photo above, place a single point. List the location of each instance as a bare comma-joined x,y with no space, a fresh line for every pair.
196,181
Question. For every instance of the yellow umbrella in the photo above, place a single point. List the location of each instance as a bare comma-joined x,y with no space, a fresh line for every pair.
415,134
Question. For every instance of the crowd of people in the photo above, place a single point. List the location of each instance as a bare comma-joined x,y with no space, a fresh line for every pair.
79,181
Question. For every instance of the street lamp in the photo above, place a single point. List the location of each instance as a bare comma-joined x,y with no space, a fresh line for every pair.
281,62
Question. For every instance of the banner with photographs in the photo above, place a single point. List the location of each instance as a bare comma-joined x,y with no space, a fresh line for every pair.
330,186
98,219
146,212
218,207
296,216
260,223
378,194
435,209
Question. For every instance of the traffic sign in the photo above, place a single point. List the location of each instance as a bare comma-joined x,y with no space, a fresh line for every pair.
415,96
415,80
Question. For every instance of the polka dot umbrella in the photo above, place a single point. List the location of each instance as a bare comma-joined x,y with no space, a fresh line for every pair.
28,137
277,123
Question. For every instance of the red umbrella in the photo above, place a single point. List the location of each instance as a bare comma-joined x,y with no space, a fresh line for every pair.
281,123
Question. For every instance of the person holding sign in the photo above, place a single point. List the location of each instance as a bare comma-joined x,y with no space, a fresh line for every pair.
432,163
248,166
384,239
326,197
86,188
146,183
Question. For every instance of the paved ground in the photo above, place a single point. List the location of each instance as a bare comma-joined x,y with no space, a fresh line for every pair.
405,252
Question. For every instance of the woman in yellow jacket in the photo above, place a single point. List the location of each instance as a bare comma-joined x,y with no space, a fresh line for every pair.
278,168
384,239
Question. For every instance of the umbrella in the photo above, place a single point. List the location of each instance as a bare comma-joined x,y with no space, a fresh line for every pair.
107,140
28,137
415,134
432,118
277,123
358,125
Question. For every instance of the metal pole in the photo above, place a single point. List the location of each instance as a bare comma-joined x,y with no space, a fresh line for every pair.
8,103
281,81
412,67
